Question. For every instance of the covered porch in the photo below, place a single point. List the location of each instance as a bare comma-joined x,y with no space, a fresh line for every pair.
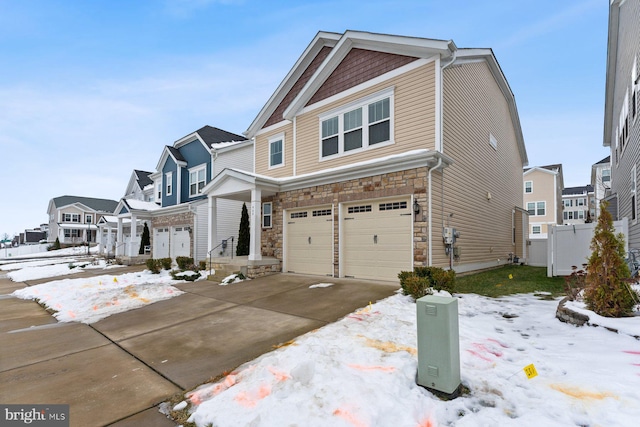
233,184
132,215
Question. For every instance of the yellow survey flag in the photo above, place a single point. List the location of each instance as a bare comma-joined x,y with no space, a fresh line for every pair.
530,371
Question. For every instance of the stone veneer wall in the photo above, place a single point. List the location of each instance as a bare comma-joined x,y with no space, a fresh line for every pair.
177,220
403,183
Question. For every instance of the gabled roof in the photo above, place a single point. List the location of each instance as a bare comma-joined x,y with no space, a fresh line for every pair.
143,178
98,205
604,161
297,94
555,169
172,152
210,136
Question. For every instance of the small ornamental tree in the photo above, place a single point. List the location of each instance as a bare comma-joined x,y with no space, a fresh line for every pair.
56,244
607,292
146,239
244,234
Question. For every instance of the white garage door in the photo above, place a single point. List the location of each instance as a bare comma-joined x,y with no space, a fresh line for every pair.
180,242
377,239
160,243
309,241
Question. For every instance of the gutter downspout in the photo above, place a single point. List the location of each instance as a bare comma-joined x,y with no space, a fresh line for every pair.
430,234
440,145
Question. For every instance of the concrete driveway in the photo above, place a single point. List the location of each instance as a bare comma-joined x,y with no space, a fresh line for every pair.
116,371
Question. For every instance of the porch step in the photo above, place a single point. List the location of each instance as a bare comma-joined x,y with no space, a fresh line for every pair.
224,270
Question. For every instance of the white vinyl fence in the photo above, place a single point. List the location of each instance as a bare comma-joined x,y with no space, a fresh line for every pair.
568,245
538,252
23,250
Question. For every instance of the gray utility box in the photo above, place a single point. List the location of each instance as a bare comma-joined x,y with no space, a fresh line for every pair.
438,344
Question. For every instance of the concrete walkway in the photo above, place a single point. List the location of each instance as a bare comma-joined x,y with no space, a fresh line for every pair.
116,371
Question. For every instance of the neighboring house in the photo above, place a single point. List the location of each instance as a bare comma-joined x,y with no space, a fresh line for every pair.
371,147
577,203
543,187
179,216
140,186
601,183
622,108
73,219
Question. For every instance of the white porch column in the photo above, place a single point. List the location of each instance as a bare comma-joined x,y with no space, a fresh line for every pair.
109,243
134,244
213,225
99,239
119,239
255,252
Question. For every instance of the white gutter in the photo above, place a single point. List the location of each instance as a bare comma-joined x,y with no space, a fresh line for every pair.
430,234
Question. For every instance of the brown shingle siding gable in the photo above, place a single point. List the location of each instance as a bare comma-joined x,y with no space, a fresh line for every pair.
276,117
358,67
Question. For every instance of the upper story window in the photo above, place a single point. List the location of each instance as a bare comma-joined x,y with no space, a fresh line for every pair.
528,187
581,202
634,186
69,217
276,151
537,208
568,203
606,175
88,218
358,127
169,183
635,88
159,191
197,179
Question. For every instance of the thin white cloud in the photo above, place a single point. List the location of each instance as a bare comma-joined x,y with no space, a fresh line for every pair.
553,23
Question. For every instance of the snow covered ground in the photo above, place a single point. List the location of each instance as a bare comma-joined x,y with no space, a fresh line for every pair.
55,267
361,371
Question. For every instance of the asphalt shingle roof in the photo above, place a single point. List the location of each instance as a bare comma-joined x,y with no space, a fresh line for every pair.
99,205
211,135
577,190
143,178
605,160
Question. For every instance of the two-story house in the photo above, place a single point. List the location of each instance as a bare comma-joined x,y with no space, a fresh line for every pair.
543,187
601,183
622,108
74,219
140,186
576,205
373,147
178,216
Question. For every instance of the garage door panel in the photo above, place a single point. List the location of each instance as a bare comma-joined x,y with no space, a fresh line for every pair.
161,243
310,241
377,239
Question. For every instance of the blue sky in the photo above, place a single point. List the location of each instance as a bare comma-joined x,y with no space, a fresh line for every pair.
90,90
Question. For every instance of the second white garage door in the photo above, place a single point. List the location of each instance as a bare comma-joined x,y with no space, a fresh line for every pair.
160,243
377,239
180,242
309,241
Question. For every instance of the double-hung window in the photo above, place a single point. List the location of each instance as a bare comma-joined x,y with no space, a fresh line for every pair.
634,186
276,151
541,208
169,183
197,179
359,126
528,187
267,214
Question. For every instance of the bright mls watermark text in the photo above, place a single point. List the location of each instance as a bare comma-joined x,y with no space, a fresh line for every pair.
34,415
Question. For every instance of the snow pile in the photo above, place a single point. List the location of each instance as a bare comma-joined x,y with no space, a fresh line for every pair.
361,371
91,299
38,263
321,285
53,270
231,279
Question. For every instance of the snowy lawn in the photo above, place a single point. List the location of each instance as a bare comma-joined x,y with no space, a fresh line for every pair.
91,299
34,270
361,371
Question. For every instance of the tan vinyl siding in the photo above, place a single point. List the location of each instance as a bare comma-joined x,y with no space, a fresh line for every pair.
475,107
262,152
414,121
544,190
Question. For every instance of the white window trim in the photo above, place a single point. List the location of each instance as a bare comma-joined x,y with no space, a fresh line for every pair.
360,103
525,187
274,138
536,208
634,192
533,229
493,141
90,217
168,183
269,215
195,170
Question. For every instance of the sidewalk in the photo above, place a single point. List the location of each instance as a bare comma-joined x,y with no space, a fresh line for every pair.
116,371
